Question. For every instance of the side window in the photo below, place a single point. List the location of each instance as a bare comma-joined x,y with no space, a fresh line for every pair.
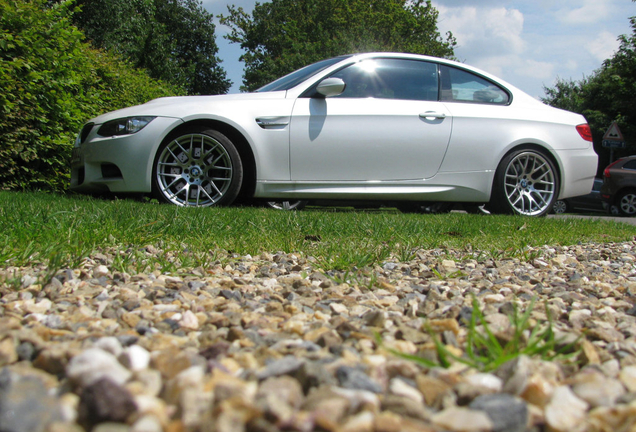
462,86
630,165
390,79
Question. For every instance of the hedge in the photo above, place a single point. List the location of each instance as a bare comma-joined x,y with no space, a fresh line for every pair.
51,82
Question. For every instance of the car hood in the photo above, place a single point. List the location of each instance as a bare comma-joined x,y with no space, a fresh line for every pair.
183,106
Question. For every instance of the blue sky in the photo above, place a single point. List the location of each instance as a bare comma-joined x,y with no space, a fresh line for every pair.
527,43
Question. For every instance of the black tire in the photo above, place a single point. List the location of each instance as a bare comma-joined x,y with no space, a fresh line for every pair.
626,203
199,167
526,183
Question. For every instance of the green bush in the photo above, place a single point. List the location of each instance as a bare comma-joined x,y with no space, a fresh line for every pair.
51,82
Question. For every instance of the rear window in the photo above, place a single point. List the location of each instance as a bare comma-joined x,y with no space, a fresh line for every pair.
462,86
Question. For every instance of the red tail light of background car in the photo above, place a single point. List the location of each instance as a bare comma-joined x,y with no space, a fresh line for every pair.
606,171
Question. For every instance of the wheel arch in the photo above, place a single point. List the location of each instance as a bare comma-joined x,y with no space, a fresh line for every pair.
499,202
620,192
543,149
242,146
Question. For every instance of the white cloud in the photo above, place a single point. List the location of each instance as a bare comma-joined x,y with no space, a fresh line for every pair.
592,11
571,65
518,66
485,31
603,45
494,64
535,69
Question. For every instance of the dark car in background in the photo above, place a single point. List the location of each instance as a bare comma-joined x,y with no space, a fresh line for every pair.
590,202
619,187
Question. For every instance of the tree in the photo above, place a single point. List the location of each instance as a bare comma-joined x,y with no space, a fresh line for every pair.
283,35
608,95
173,39
50,83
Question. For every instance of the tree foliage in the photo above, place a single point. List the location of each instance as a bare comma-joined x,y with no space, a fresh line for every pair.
608,95
172,39
50,83
283,35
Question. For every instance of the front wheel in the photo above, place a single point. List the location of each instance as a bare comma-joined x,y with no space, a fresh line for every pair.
198,168
526,183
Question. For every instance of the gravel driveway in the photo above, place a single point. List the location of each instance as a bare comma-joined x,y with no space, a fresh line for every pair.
271,343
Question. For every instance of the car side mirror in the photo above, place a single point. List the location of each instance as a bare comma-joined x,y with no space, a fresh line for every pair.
331,87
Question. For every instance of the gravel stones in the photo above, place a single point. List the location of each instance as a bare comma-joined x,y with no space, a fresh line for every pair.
273,343
355,379
507,413
104,401
565,411
25,405
94,364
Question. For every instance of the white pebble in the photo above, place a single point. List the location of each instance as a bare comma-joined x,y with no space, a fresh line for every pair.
109,344
565,411
189,320
99,271
94,364
135,358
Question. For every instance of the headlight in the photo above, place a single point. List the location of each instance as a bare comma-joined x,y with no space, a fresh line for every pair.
124,126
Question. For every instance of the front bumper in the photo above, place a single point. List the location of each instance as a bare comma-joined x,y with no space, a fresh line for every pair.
120,163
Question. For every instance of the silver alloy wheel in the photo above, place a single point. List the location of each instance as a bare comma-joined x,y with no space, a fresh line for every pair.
194,170
530,183
627,204
287,205
560,207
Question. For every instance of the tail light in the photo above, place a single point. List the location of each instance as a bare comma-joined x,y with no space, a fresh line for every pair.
606,171
585,131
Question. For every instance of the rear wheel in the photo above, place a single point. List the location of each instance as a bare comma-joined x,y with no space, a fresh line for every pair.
526,183
197,168
627,203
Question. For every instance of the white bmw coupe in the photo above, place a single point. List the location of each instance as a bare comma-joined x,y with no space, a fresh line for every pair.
395,128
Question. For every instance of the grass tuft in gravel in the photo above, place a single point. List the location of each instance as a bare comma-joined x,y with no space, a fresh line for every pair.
486,350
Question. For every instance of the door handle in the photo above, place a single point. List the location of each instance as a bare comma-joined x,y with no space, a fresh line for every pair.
432,115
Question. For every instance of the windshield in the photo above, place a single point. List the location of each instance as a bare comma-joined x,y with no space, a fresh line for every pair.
293,79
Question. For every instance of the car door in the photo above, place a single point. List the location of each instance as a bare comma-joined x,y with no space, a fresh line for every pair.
386,125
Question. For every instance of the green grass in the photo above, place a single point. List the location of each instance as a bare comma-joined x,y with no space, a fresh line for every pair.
63,229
